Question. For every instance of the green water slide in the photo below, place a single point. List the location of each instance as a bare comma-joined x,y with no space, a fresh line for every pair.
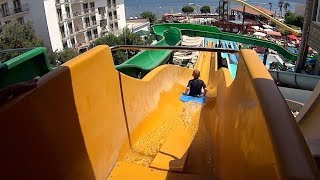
147,60
24,67
170,34
213,32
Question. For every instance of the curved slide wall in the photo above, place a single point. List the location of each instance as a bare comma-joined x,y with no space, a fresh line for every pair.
297,80
82,117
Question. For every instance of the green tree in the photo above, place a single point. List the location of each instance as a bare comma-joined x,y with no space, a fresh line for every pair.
270,6
58,57
219,9
130,38
286,5
16,35
280,4
187,9
205,9
149,15
291,18
126,37
110,40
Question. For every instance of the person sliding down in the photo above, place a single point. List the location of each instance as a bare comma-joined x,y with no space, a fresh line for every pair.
195,85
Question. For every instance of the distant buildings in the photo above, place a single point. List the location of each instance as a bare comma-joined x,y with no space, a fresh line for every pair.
66,23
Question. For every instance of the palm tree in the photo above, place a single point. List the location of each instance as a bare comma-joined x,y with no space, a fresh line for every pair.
286,5
280,4
270,4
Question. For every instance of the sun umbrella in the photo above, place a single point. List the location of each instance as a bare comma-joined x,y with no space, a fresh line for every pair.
292,36
259,34
267,26
266,30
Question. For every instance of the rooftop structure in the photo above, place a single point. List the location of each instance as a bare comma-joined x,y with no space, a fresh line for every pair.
137,25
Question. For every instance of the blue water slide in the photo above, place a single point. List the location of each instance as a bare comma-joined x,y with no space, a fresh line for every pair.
224,44
236,45
234,59
232,45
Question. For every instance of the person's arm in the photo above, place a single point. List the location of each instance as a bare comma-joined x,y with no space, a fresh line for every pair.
188,88
204,86
17,89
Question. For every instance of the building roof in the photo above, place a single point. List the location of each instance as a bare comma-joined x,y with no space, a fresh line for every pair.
142,32
138,20
251,11
274,33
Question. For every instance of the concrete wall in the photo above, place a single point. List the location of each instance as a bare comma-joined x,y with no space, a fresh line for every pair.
314,36
303,49
314,42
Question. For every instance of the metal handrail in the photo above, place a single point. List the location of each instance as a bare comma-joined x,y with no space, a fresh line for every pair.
15,50
177,48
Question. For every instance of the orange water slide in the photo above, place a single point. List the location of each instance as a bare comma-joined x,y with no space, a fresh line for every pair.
85,120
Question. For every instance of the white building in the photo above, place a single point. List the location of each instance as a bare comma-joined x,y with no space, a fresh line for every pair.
67,23
300,9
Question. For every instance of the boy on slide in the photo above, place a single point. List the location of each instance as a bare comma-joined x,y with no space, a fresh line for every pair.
195,85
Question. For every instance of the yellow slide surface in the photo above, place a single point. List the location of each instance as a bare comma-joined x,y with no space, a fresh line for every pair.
295,32
85,120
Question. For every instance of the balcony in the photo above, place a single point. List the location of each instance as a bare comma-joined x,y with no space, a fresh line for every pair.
60,17
16,10
77,14
75,1
77,29
103,28
113,18
71,31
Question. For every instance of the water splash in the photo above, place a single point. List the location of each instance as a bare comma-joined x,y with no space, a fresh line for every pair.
190,117
147,147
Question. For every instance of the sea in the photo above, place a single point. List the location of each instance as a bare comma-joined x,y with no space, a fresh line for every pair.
135,7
